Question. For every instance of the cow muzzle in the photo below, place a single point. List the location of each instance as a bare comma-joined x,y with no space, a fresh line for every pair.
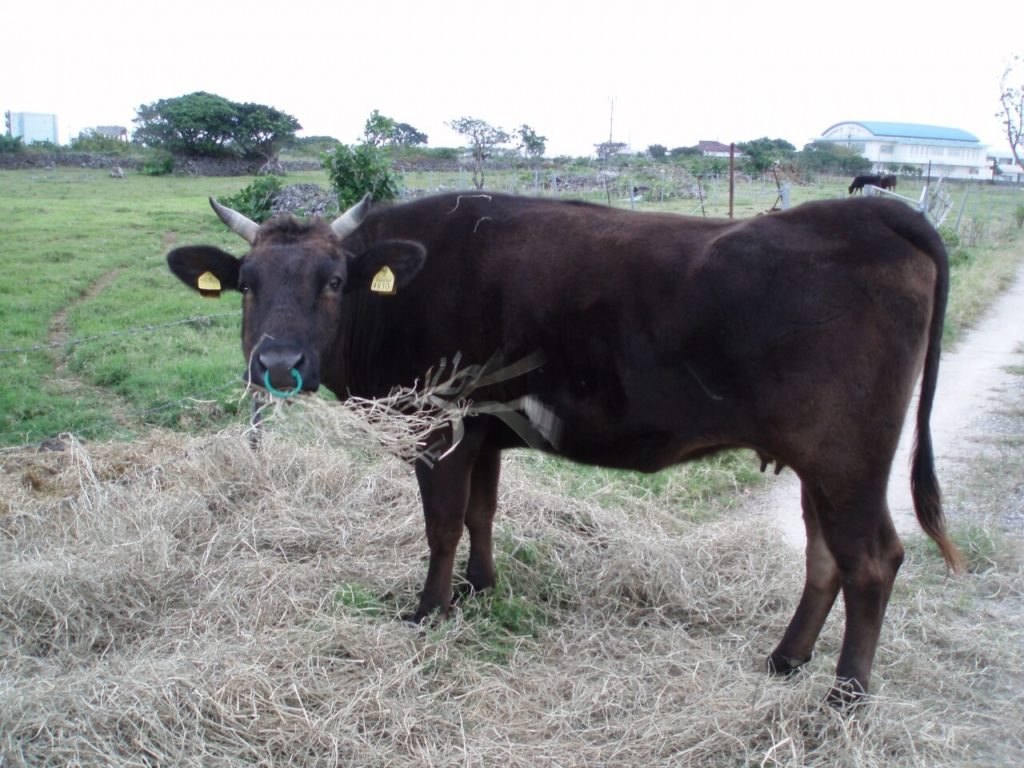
283,371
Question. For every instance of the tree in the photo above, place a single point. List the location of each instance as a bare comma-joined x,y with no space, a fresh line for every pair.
657,152
530,142
483,138
830,157
606,150
260,131
763,153
379,130
197,125
206,125
1011,99
407,136
677,152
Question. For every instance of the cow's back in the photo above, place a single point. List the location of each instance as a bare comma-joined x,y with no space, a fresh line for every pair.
667,336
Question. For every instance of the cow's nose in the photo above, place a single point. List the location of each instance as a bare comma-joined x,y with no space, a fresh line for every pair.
278,365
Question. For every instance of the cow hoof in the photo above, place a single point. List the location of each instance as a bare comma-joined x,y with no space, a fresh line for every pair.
784,666
465,591
425,617
846,693
412,619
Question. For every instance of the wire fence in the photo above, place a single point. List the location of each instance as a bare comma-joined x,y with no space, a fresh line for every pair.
613,186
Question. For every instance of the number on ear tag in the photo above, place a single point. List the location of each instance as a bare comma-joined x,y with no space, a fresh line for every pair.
208,284
384,282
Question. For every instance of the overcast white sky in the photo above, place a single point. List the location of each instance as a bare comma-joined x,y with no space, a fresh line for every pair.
676,71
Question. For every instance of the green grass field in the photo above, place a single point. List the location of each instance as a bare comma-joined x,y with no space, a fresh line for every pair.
99,339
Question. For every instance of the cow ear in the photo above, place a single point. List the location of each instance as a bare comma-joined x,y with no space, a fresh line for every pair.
205,269
386,267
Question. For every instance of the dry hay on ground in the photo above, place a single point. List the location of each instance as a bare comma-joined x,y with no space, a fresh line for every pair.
186,601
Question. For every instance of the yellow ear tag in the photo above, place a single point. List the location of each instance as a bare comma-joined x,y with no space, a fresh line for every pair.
384,282
208,284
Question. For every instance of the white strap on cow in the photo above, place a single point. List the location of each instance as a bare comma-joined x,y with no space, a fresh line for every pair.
527,416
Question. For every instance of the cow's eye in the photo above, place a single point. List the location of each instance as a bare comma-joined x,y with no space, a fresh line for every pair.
335,283
243,288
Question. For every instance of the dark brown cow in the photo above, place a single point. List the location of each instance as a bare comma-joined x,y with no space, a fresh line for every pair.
859,183
663,338
888,181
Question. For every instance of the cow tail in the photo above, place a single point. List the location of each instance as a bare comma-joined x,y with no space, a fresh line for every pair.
923,483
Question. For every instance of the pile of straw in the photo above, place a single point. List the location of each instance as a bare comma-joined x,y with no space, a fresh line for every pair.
188,602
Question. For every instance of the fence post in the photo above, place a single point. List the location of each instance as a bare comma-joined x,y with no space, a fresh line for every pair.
732,180
963,204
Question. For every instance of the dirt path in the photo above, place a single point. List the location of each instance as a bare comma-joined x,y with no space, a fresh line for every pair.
59,334
973,382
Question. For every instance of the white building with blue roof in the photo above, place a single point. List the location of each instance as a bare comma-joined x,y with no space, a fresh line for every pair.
910,147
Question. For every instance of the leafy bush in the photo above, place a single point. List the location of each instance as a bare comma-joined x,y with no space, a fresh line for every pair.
11,144
950,237
822,157
311,146
960,257
158,164
256,200
91,141
354,171
958,254
441,153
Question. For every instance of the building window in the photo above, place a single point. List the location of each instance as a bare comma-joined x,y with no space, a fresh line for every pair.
886,149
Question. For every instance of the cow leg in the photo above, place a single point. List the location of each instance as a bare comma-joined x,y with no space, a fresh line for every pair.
853,545
821,587
445,492
868,563
483,501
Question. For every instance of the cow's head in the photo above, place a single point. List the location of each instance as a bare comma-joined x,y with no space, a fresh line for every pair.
293,281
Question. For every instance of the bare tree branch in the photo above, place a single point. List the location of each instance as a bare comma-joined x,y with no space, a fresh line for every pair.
1011,98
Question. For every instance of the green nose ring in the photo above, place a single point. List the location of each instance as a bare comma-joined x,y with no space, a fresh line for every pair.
277,392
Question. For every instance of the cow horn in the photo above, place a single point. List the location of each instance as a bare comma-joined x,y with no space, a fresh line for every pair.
242,226
350,220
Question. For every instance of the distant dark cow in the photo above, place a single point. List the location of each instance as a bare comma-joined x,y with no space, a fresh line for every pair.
888,181
663,338
860,181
